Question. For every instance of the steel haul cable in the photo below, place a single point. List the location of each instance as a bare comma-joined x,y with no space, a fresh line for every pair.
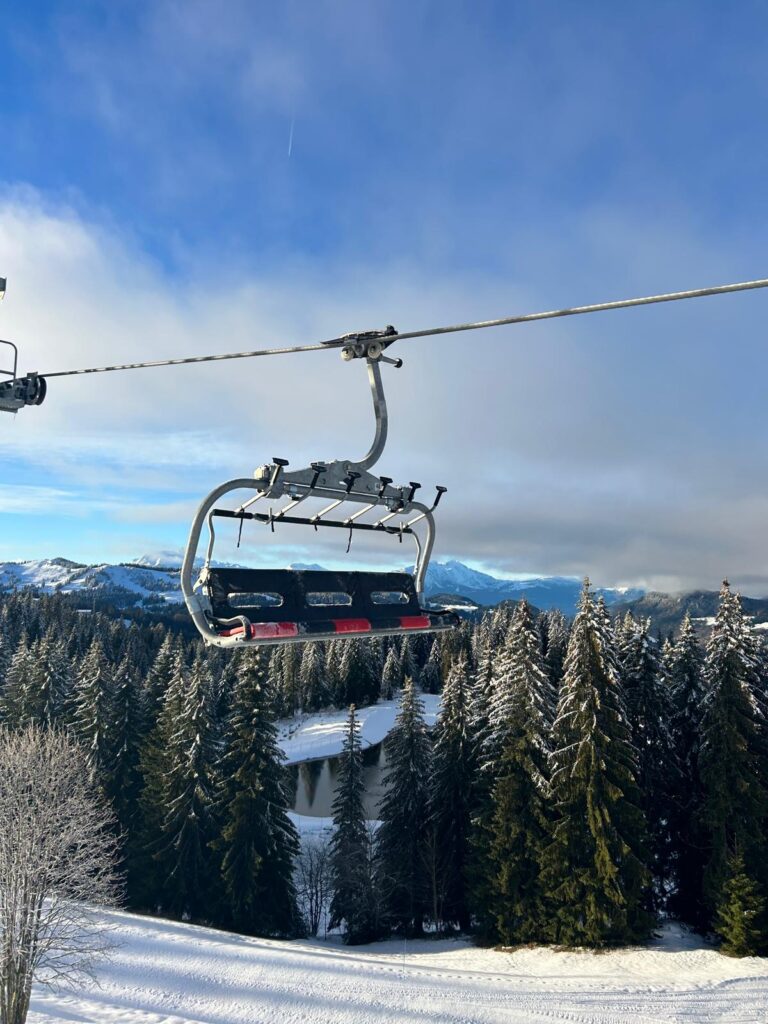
600,307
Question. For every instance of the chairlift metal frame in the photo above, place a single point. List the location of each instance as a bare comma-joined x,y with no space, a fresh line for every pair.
375,603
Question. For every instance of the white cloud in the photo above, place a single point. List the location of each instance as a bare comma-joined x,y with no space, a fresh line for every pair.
626,445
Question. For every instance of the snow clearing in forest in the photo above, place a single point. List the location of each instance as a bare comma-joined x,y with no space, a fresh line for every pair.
311,736
164,972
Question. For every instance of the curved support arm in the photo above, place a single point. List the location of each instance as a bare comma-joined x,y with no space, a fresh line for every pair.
382,418
196,604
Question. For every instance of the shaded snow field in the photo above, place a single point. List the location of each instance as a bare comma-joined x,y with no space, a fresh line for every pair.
169,973
311,736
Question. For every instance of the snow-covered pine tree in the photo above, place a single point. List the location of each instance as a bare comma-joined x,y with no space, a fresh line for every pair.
409,660
519,824
313,679
13,699
404,816
291,664
276,686
187,823
432,673
124,783
451,800
740,918
732,760
392,675
6,650
93,712
352,885
557,644
649,708
50,681
360,681
258,843
593,870
685,674
159,677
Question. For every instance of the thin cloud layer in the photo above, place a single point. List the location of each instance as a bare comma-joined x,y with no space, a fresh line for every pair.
625,446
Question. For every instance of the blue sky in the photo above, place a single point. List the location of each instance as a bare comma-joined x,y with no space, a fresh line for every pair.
191,177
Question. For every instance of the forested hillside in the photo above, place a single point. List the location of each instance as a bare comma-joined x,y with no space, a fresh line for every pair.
579,781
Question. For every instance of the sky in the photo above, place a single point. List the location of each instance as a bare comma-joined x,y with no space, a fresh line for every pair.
179,178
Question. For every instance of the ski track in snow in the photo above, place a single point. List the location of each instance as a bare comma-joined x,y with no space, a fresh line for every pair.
164,972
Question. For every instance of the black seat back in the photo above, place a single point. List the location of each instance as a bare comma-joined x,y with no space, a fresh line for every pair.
310,595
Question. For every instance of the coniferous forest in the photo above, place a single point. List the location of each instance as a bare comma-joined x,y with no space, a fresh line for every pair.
583,778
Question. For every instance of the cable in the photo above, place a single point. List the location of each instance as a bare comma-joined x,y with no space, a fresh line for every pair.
600,307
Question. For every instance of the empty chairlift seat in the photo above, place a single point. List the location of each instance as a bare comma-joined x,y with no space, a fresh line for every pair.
284,604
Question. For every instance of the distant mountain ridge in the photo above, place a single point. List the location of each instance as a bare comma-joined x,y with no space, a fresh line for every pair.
544,592
667,611
153,580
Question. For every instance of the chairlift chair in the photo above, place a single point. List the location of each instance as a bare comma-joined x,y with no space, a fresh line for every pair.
242,607
16,392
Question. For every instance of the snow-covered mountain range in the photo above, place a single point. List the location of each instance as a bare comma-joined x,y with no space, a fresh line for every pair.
154,581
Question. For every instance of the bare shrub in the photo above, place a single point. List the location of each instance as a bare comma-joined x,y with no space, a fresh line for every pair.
57,867
313,882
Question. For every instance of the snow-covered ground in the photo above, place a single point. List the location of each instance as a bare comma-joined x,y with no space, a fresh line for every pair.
308,737
170,973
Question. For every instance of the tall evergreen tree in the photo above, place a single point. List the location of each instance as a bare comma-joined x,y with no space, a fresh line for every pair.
451,800
519,823
649,707
404,816
392,676
360,680
352,885
732,760
50,681
685,671
432,673
740,916
593,869
258,843
186,826
124,780
93,714
556,646
313,679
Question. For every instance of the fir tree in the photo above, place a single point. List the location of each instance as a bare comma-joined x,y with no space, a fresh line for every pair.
519,822
649,709
732,755
432,673
360,681
404,816
93,714
408,659
13,700
685,672
313,679
352,903
124,780
451,799
593,869
50,682
739,918
392,675
258,843
159,677
556,646
186,826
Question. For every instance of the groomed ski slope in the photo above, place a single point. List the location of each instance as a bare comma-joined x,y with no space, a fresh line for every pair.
169,973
